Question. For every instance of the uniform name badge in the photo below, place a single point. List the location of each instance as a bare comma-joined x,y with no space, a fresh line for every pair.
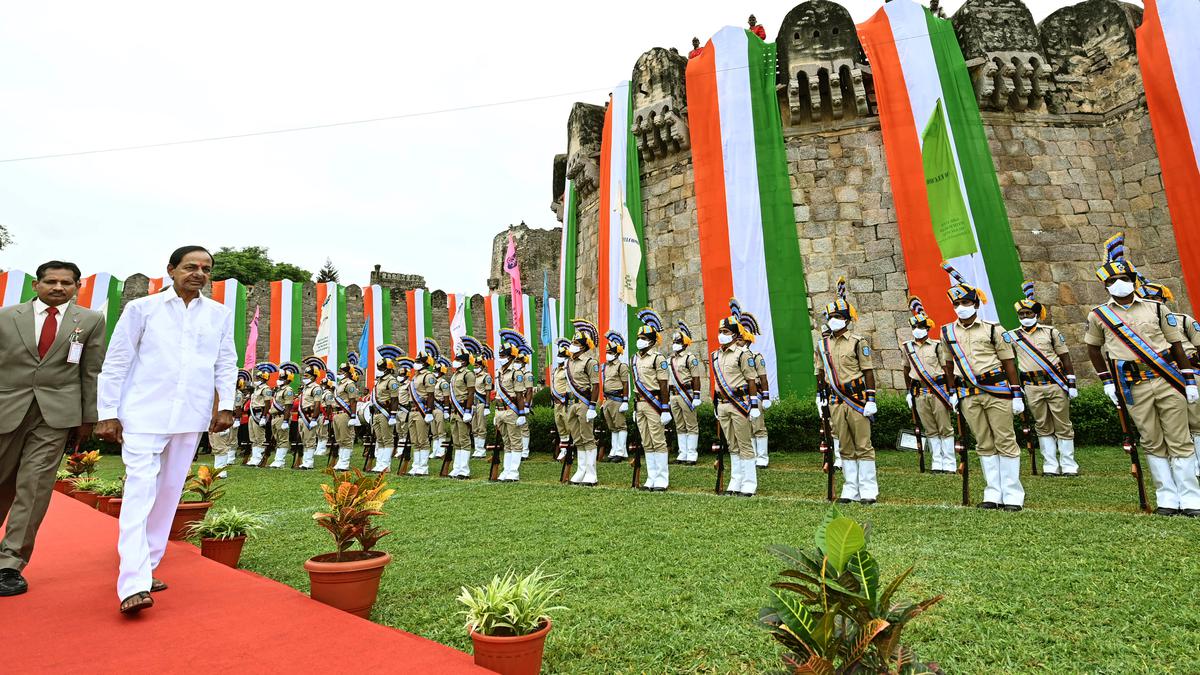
75,350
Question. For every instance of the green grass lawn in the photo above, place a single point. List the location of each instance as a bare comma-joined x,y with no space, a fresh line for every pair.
672,582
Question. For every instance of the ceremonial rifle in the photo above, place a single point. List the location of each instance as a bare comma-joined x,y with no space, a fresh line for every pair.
1028,430
917,430
635,453
960,448
717,447
242,434
297,445
1127,442
494,446
405,460
272,444
332,445
447,455
568,459
826,439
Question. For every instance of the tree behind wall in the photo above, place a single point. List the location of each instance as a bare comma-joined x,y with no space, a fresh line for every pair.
328,273
252,264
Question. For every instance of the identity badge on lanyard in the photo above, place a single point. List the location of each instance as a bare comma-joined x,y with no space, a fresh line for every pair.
76,346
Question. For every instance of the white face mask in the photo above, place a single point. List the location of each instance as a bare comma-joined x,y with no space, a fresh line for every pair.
724,338
1120,288
1029,323
965,311
676,347
574,348
558,360
642,344
418,366
836,323
612,356
307,381
504,361
920,333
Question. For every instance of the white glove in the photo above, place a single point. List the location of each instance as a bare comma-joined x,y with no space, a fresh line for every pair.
755,413
428,417
237,423
696,402
312,425
1193,394
820,401
467,417
665,417
367,416
283,424
520,420
1072,392
909,399
870,408
591,414
1018,405
766,403
1111,390
391,420
954,401
262,422
487,411
353,421
624,407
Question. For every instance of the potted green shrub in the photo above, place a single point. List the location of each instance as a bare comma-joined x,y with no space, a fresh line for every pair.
84,490
106,491
509,619
349,580
204,485
835,614
62,481
223,533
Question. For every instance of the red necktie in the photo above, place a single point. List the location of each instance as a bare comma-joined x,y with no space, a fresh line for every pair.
49,332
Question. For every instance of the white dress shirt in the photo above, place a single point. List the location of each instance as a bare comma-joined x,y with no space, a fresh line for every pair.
164,362
39,317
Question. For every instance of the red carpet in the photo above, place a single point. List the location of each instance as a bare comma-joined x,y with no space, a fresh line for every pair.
212,618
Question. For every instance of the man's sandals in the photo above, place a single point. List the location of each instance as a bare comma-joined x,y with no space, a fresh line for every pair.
142,600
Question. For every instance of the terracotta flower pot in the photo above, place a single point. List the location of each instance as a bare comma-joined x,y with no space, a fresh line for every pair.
186,514
102,503
351,585
511,655
63,486
113,507
89,498
224,551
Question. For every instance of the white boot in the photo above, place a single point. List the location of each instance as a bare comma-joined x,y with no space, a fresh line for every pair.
1195,443
749,477
735,474
343,462
1166,494
693,448
868,482
231,457
1049,446
837,453
280,456
949,461
322,449
306,462
761,451
991,478
219,461
436,448
850,486
1184,471
578,475
480,448
256,456
1066,456
383,459
650,468
681,440
663,480
512,467
1012,493
524,447
589,467
462,464
618,444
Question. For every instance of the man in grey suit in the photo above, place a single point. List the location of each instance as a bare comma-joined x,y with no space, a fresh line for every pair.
51,351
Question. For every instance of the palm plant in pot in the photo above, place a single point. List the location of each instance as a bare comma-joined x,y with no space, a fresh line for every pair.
204,485
84,490
62,481
346,579
223,533
509,618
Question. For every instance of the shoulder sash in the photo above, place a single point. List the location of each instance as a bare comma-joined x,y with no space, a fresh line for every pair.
742,406
1141,348
964,365
927,378
834,381
1039,359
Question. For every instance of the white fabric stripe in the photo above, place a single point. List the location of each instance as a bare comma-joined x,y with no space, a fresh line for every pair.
494,337
101,283
742,204
618,314
568,206
376,338
285,320
1179,18
418,326
335,340
910,30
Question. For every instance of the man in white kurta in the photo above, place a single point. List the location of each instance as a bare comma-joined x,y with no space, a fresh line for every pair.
170,353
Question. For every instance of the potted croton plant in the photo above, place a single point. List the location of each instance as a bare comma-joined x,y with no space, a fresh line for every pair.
84,490
346,579
223,533
204,485
509,619
106,491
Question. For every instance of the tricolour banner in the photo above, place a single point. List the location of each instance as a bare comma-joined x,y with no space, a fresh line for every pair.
458,309
567,252
287,321
15,287
529,327
156,284
492,313
550,313
420,319
917,64
232,294
749,248
102,292
377,313
1169,54
620,191
332,339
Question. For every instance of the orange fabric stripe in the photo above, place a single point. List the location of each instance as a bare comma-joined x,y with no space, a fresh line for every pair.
602,243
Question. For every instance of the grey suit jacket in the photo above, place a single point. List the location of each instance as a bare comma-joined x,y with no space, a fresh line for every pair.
65,392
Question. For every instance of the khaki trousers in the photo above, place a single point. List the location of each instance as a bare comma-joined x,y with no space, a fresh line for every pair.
418,431
438,428
758,427
991,420
735,427
1160,414
460,432
479,420
614,419
343,433
579,428
258,434
853,430
223,442
650,426
934,416
309,437
1194,418
560,420
29,457
683,417
510,432
1051,410
384,432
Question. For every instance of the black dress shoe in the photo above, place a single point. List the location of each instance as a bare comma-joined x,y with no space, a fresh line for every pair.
867,501
1011,507
987,505
12,583
844,500
745,494
1164,511
1191,513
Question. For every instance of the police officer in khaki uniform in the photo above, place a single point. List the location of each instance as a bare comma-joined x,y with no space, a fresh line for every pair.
384,401
1137,350
583,381
346,392
978,361
325,422
758,425
685,370
511,392
925,382
422,388
845,363
1048,379
308,408
653,411
1159,293
282,406
224,444
260,411
484,386
560,396
615,376
736,401
441,408
462,405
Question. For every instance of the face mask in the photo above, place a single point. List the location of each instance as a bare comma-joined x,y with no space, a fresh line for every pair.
724,338
964,311
677,347
836,324
642,344
504,361
558,360
1029,323
575,349
920,333
307,381
612,356
1120,288
419,367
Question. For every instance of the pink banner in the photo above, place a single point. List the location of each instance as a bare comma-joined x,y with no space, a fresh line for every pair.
513,268
252,341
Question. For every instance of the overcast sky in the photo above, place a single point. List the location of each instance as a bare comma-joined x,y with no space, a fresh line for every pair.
410,194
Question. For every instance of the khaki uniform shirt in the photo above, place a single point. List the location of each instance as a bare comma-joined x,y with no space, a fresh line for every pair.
736,366
347,390
685,366
443,390
760,367
850,355
651,370
424,383
403,394
1151,320
283,399
512,382
929,353
310,398
1191,333
616,374
259,397
483,383
1047,339
461,384
558,381
983,343
584,372
387,387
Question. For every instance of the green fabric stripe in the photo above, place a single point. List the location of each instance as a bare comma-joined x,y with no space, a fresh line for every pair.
467,316
385,306
505,312
633,201
115,287
571,232
27,292
343,340
427,308
979,173
534,328
785,270
239,322
297,327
